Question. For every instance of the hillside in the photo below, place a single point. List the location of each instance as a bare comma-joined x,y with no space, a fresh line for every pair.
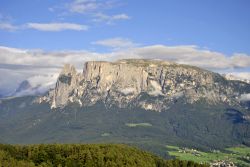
91,155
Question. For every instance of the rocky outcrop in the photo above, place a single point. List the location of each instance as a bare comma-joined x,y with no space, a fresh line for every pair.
149,84
66,85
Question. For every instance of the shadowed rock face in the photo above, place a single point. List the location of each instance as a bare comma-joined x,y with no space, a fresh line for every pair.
126,83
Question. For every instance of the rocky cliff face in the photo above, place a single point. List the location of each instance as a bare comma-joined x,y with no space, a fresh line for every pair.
66,86
149,84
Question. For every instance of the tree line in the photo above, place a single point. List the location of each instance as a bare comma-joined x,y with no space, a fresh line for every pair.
83,155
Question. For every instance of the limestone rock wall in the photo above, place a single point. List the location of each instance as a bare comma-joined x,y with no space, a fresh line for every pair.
126,82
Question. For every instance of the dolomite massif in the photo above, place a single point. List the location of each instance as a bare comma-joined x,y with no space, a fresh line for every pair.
147,103
128,83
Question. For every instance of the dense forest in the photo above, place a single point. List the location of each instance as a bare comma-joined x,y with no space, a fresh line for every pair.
87,155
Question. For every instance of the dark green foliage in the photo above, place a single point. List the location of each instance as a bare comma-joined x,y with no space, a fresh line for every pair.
74,155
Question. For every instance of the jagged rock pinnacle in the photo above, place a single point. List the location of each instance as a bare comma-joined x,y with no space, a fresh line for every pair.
66,83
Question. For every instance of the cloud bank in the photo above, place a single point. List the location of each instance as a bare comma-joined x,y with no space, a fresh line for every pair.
20,64
191,55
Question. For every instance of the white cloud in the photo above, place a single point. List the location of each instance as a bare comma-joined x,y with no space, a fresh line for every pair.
88,6
191,55
116,43
17,65
39,84
240,76
94,9
109,19
120,17
5,23
237,59
44,26
8,27
11,78
57,26
83,6
245,97
50,59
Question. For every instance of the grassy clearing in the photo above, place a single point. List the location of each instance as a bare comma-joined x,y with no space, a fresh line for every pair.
237,155
132,125
105,134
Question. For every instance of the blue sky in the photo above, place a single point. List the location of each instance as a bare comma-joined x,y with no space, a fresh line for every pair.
221,26
38,36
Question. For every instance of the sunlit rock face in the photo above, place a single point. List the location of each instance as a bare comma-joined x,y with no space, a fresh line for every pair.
68,81
148,84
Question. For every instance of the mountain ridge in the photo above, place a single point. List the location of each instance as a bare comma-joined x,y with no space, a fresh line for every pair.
124,82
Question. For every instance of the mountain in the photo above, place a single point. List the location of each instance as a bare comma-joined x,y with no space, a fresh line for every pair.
35,85
147,103
25,85
128,83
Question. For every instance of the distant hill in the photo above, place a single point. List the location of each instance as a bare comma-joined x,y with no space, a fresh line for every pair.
35,85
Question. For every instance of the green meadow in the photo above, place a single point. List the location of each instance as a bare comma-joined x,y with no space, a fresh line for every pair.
138,124
239,155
